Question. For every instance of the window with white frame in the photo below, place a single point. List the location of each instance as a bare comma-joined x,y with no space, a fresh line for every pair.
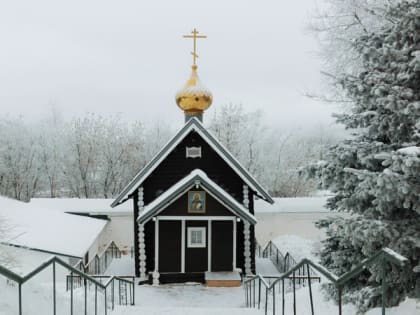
196,237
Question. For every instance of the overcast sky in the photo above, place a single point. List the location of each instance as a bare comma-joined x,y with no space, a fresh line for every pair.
129,57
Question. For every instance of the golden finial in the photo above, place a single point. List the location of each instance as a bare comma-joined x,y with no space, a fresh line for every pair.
195,36
194,98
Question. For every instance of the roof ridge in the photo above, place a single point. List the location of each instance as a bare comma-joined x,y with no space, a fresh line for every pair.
192,124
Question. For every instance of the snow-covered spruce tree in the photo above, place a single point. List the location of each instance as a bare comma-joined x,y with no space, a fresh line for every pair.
376,174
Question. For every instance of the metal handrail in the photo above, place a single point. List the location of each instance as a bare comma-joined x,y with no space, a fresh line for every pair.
280,261
100,262
20,280
383,256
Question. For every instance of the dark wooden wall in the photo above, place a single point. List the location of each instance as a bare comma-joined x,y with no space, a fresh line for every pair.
170,171
177,166
222,246
149,238
170,246
150,244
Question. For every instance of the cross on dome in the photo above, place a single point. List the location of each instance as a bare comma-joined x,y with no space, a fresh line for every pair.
195,36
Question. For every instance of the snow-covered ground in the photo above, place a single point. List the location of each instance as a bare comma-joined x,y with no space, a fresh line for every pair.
37,295
177,299
23,260
297,246
290,227
186,311
265,267
325,306
185,299
123,266
300,248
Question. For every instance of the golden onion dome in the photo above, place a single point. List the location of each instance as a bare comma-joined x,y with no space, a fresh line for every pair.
194,98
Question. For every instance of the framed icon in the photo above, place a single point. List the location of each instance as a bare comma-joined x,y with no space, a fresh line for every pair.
196,201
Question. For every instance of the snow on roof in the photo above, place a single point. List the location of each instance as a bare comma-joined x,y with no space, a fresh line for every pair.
77,205
199,177
38,227
300,204
193,124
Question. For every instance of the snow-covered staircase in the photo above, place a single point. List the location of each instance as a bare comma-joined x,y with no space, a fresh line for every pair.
135,310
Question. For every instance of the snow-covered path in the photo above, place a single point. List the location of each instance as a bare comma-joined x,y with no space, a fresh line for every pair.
185,311
265,267
187,299
189,295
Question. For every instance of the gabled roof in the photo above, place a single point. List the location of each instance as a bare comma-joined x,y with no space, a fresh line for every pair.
196,177
192,125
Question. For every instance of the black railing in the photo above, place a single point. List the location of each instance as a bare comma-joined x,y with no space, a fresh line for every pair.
260,293
101,261
88,283
283,262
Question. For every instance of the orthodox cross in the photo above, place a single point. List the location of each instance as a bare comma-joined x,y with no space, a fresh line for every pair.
194,36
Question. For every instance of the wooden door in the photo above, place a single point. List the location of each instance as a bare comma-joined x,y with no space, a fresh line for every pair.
169,246
222,246
196,257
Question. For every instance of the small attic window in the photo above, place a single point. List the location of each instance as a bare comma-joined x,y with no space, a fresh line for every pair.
193,152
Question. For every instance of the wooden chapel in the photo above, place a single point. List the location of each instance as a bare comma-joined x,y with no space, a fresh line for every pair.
193,203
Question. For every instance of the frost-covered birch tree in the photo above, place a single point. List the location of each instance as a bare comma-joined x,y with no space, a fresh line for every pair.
81,164
273,155
19,166
120,155
51,154
95,157
375,174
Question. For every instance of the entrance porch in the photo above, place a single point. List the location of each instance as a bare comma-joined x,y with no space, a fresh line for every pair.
186,247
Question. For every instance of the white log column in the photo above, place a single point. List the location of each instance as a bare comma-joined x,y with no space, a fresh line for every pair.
155,274
246,196
142,245
247,249
247,242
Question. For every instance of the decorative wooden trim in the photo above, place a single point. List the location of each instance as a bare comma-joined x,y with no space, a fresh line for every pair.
140,236
247,249
183,246
142,252
140,200
246,196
